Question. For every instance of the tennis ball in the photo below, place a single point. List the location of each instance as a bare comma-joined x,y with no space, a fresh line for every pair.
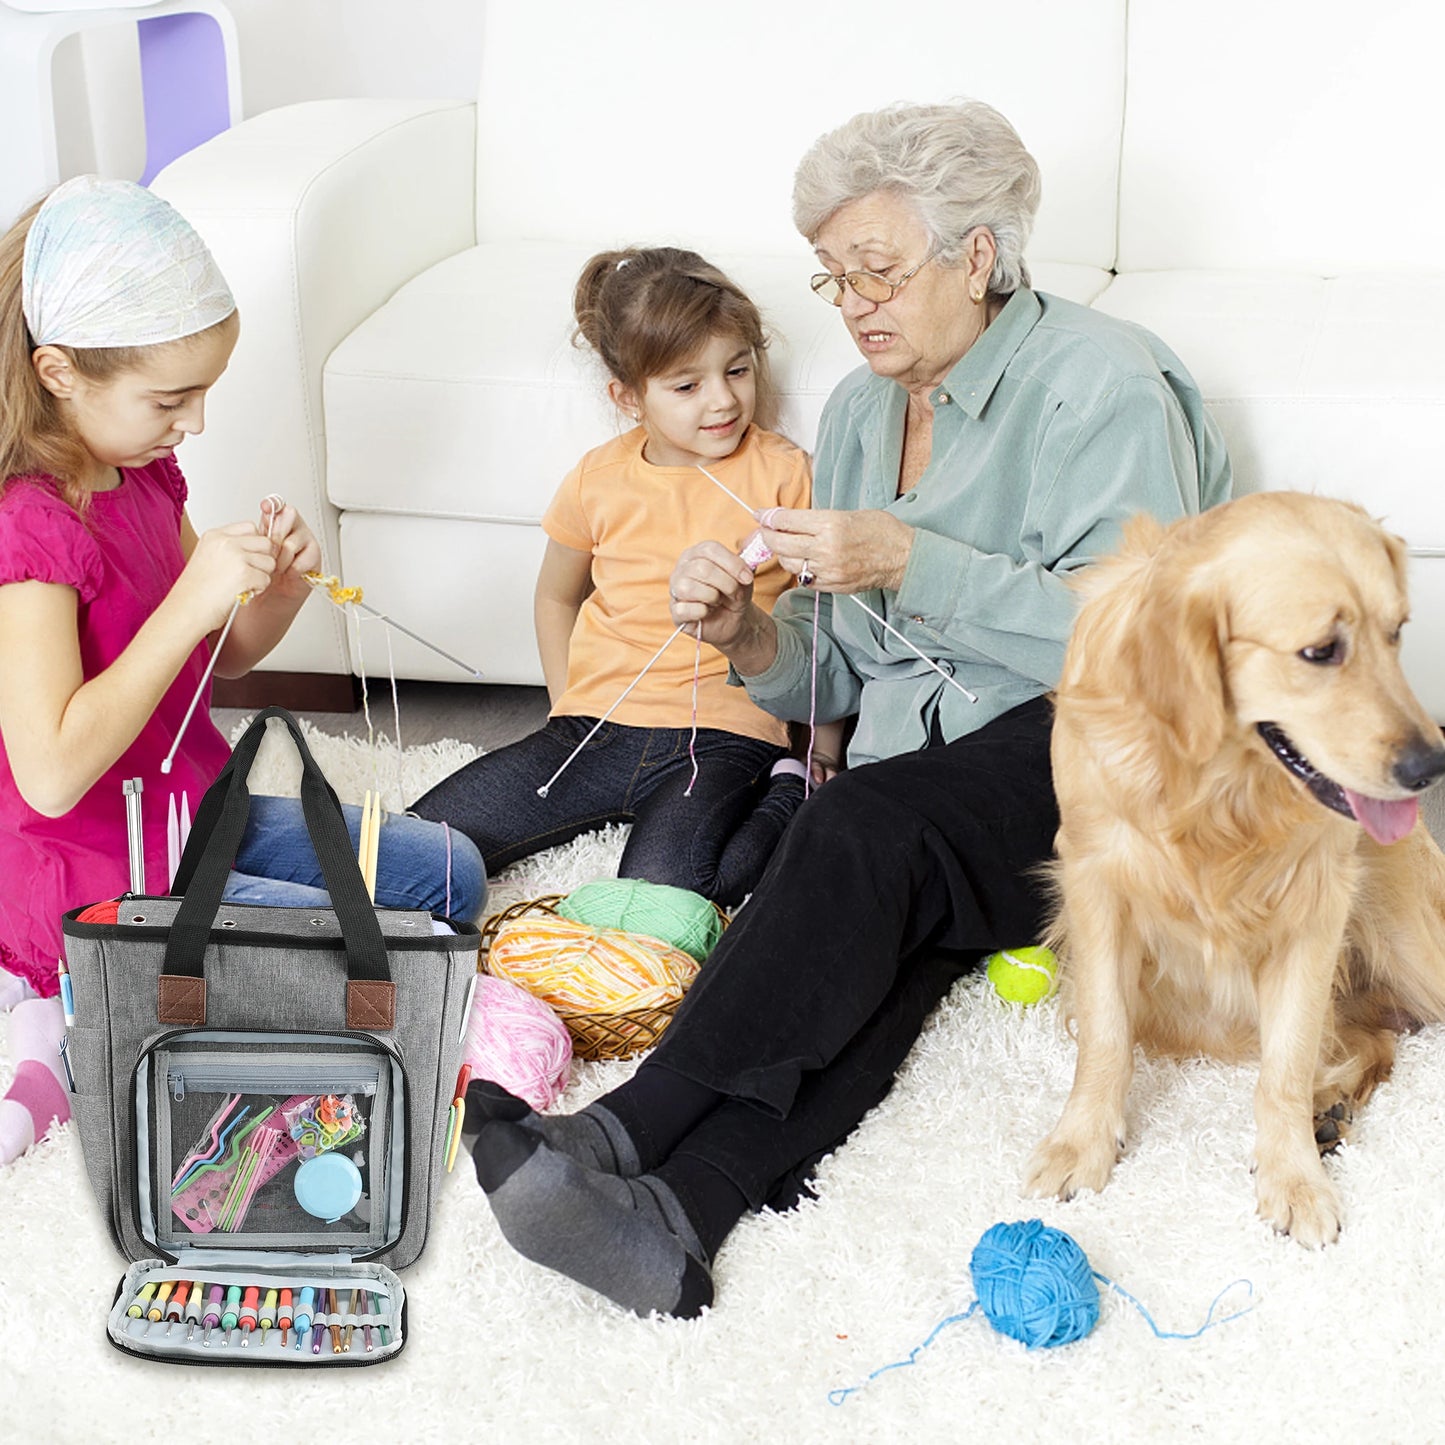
1023,975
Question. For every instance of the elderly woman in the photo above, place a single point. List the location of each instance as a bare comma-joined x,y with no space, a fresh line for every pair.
991,446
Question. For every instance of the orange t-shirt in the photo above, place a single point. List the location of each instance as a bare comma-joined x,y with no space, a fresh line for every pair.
636,519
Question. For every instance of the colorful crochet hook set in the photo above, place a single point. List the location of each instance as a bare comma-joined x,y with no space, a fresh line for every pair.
310,1319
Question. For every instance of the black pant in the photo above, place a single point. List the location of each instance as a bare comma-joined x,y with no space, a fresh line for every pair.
892,882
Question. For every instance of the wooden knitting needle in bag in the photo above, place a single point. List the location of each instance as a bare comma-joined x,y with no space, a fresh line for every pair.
370,843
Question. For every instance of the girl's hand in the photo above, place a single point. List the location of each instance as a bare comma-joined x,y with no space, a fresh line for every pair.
848,551
226,562
713,587
295,546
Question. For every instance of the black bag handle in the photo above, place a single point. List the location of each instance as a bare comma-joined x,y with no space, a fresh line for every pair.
211,849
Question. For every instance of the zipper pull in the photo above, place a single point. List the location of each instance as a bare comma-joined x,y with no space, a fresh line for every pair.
178,1087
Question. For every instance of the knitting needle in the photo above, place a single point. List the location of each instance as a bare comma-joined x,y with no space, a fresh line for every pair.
351,1322
170,757
173,841
853,597
327,584
546,787
370,841
135,834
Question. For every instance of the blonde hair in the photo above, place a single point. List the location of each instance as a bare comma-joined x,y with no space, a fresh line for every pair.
646,310
35,438
960,164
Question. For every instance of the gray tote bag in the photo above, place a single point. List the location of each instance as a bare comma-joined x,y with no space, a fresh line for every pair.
263,1094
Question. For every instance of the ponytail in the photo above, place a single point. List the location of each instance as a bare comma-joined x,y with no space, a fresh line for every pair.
647,310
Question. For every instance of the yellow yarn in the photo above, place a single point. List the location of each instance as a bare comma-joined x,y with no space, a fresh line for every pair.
581,970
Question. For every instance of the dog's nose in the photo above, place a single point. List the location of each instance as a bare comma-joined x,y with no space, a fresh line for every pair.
1420,763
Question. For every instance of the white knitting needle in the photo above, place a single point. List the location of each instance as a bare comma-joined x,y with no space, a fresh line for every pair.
170,757
276,504
546,787
853,597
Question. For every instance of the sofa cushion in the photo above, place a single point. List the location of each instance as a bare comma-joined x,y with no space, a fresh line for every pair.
463,396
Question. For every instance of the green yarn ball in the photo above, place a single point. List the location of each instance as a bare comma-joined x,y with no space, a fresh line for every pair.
677,916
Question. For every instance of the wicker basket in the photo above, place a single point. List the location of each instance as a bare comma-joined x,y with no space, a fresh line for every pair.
594,1036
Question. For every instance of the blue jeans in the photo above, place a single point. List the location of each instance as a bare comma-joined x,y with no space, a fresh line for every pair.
715,842
277,865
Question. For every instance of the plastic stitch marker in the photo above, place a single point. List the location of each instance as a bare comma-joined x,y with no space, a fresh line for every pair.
268,1314
228,1320
213,1312
138,1305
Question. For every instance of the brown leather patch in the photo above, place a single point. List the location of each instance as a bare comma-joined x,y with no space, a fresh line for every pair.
370,1004
181,1000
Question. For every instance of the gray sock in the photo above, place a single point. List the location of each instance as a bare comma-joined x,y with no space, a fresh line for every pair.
628,1239
594,1136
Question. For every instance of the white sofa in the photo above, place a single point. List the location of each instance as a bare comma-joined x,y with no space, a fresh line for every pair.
1257,182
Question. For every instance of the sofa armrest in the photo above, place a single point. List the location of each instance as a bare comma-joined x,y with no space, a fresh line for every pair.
316,213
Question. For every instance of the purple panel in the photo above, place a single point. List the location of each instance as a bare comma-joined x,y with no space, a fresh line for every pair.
183,83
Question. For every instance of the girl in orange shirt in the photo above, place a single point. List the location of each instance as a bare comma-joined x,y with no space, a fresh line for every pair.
701,773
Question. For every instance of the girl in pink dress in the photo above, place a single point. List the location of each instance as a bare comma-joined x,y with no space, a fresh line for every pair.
114,325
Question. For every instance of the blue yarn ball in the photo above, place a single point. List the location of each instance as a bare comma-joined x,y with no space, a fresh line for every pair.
1035,1284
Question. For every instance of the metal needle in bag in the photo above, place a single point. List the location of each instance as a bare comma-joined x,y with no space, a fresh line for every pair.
134,835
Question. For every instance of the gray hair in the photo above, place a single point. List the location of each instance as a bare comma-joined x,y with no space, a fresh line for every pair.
960,164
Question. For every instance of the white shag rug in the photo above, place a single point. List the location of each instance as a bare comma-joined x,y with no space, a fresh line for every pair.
1341,1345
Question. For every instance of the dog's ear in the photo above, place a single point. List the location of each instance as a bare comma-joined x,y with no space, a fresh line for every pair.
1175,653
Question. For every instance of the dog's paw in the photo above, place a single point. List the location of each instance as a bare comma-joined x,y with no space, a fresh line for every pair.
1061,1166
1303,1207
1332,1126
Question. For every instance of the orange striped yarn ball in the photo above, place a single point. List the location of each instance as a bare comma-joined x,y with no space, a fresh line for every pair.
576,969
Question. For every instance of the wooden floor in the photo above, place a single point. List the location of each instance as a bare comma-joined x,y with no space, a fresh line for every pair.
486,715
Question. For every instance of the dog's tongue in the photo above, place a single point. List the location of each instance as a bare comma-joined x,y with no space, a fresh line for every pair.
1385,822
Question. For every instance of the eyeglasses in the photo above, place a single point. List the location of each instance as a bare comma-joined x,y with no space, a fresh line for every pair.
867,284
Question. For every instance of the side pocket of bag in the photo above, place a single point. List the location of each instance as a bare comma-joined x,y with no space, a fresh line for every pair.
88,1050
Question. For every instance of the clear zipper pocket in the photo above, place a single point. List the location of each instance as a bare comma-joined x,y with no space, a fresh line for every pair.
273,1141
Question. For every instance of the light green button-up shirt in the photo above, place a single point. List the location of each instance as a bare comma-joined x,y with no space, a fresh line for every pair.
1054,428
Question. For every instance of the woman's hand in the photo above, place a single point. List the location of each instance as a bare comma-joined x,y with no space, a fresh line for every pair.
712,587
295,547
224,563
849,551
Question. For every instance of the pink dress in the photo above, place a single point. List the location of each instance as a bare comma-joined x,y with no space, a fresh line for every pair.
122,559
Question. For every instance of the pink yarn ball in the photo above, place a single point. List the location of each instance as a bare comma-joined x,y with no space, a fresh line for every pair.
516,1041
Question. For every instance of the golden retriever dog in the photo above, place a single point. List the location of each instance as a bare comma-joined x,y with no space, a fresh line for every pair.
1241,868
